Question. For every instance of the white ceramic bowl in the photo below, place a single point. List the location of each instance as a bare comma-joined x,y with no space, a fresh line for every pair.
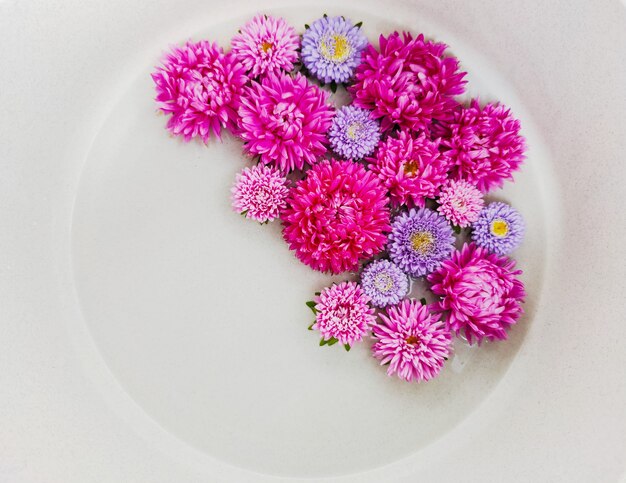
150,334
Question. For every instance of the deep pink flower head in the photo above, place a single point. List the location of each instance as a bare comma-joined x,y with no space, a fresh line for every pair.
408,83
484,145
480,291
259,193
460,202
199,86
414,342
285,119
410,167
343,313
336,216
266,45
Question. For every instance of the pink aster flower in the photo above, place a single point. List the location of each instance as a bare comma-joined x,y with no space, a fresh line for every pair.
480,291
259,193
199,86
336,216
410,167
460,202
484,145
266,45
408,83
414,342
343,313
285,119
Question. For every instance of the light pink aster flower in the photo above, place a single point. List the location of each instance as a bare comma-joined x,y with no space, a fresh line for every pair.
259,193
414,342
410,167
285,119
460,202
336,216
343,313
480,292
408,83
266,45
199,86
484,145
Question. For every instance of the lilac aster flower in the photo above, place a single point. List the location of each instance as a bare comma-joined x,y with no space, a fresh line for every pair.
331,49
353,134
420,241
499,229
384,283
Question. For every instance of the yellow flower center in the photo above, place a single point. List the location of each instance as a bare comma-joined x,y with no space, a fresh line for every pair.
422,241
413,339
499,228
265,46
335,48
410,168
383,282
353,129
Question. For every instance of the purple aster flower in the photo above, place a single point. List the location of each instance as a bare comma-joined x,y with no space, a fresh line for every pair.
331,49
384,283
420,241
499,229
353,134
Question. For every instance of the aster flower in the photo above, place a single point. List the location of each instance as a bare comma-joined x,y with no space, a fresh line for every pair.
408,83
259,193
484,145
414,342
420,241
336,216
266,45
331,49
199,86
285,119
481,293
342,314
384,283
411,168
499,229
460,202
353,134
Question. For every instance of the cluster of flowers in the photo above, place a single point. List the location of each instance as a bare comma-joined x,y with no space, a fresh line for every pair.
402,189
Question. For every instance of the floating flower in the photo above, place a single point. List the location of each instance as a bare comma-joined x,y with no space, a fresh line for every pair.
420,241
259,193
499,229
343,313
336,216
331,49
485,145
408,83
414,342
266,45
285,119
353,134
481,293
199,86
411,168
384,283
460,202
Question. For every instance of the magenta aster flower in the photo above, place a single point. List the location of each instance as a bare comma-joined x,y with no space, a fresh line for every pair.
336,216
266,45
285,119
460,202
200,87
343,313
414,342
259,193
410,167
484,145
481,293
408,83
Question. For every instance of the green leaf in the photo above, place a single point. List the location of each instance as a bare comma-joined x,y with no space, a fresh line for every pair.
332,341
307,26
456,228
310,304
311,326
333,87
323,342
423,301
318,293
347,347
244,213
325,16
358,25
